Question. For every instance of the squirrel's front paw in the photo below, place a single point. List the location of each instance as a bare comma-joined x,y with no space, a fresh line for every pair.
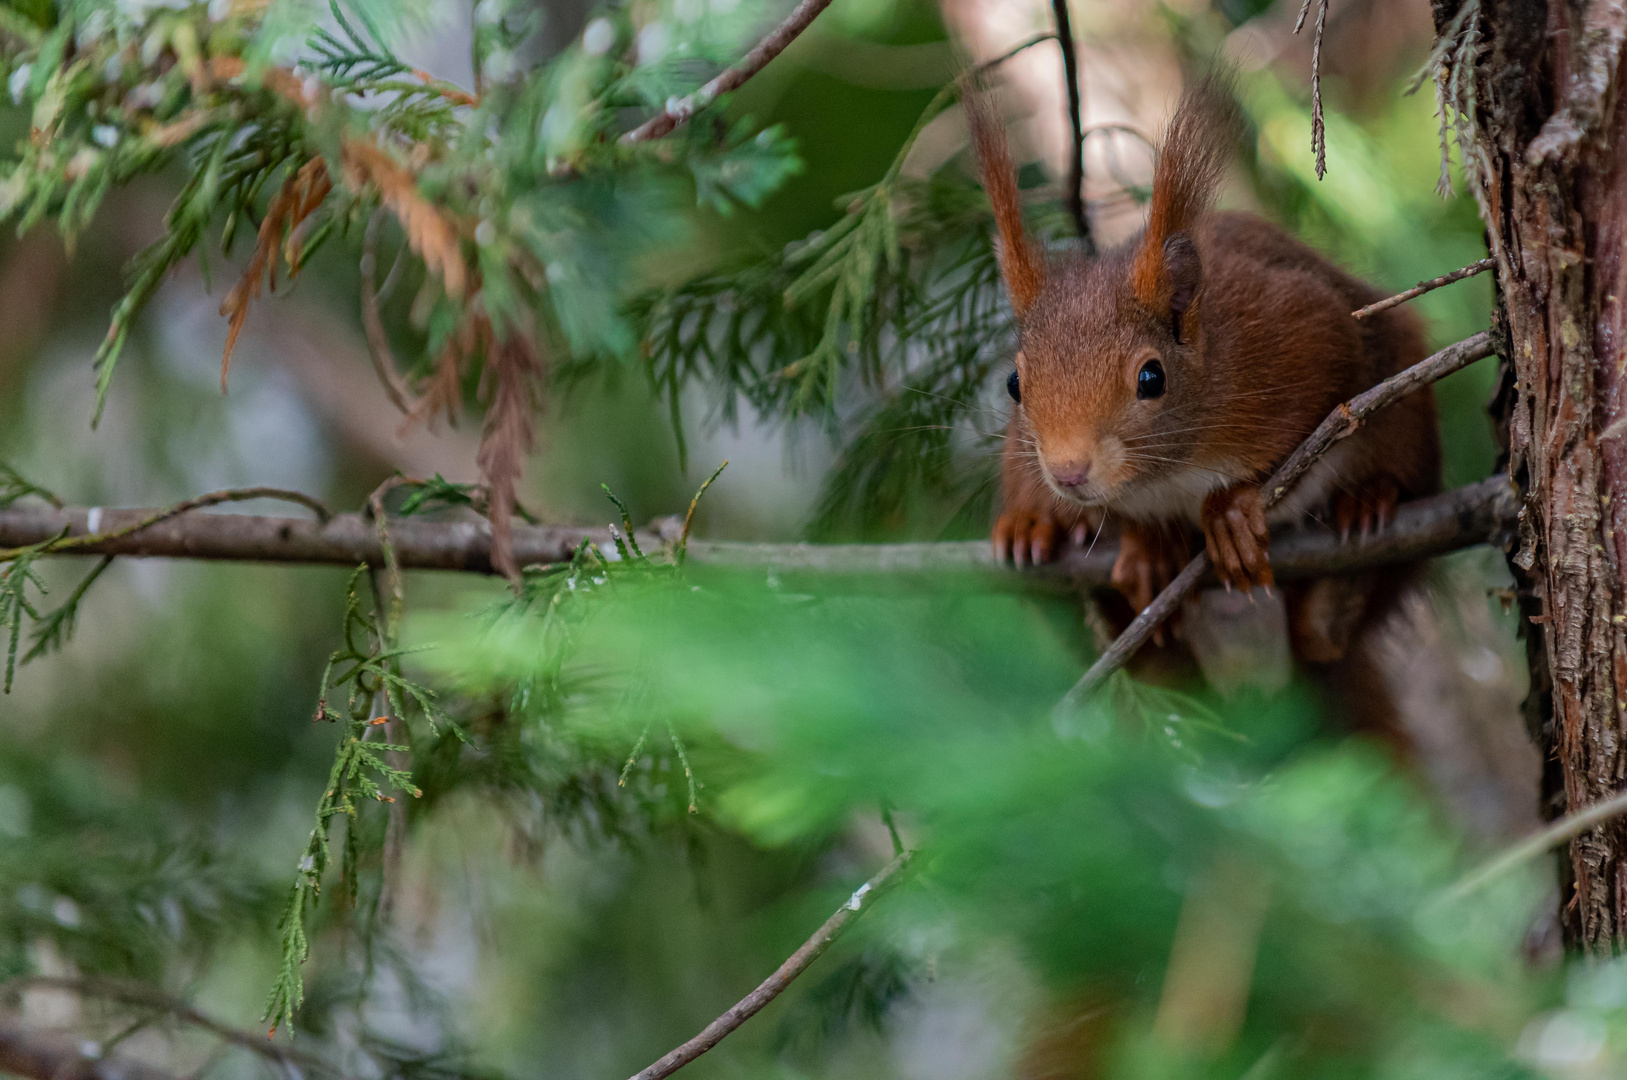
1028,536
1368,509
1235,534
1149,558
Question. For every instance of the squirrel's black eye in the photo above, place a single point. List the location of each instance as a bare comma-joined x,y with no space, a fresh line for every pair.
1012,388
1150,380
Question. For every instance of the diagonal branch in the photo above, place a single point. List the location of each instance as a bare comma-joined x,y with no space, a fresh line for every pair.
1340,424
681,109
775,984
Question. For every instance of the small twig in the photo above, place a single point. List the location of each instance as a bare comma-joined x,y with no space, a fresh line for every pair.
1075,194
1557,832
680,110
775,984
989,65
1319,134
1341,423
144,995
216,498
1424,286
378,341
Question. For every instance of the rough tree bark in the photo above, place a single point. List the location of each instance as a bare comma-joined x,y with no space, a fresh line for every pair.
1548,161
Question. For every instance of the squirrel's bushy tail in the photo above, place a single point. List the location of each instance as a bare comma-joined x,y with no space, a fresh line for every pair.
1022,266
1202,135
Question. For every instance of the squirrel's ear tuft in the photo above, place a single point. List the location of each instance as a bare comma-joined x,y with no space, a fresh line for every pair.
1022,267
1205,130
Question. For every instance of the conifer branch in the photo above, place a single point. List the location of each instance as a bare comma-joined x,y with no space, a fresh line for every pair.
1476,514
1343,422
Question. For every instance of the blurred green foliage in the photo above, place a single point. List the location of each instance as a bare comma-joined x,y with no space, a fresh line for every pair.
1078,839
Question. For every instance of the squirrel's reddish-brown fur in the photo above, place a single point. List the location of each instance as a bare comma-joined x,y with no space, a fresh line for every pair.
1250,338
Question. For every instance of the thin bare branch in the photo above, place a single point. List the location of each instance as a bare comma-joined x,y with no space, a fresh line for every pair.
1557,832
775,984
1075,193
1424,286
680,110
39,1055
1339,424
142,995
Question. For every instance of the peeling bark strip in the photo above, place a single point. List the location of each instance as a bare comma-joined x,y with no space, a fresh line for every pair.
1549,168
1477,514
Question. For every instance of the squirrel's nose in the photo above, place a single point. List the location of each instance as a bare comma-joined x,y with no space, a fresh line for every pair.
1071,474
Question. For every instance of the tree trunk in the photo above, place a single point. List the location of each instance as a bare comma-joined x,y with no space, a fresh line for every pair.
1548,161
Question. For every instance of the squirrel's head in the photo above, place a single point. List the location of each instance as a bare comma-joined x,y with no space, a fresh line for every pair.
1110,382
1110,347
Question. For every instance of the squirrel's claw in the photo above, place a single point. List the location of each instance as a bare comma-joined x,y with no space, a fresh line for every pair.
1236,537
1367,510
1022,538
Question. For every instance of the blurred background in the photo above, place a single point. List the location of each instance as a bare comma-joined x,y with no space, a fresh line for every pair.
158,777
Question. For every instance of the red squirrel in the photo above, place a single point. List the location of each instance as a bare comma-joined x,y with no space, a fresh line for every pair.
1160,382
